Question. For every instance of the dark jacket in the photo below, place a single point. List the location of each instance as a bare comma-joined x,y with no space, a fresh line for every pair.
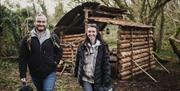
102,74
41,59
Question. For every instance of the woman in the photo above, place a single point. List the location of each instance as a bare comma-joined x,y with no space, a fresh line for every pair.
92,62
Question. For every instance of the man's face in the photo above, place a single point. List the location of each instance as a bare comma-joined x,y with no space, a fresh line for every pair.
92,33
40,23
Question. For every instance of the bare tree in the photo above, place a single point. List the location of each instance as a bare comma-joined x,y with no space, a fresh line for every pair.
173,14
175,42
161,32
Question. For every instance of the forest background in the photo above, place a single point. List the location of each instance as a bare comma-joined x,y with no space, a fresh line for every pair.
16,18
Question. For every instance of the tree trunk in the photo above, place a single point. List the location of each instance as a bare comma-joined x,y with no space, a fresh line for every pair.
156,9
161,30
174,40
34,7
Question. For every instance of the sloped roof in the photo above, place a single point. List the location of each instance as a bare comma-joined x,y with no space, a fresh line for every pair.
73,21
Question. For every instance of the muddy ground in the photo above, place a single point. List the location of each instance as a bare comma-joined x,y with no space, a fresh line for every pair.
9,80
165,81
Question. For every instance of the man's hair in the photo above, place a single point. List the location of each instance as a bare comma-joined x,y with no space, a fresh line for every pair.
40,14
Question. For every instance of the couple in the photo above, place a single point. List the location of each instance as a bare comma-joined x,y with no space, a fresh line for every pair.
39,53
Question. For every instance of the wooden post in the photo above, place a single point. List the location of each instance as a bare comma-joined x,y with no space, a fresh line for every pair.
61,38
160,64
132,59
85,19
118,53
144,71
148,39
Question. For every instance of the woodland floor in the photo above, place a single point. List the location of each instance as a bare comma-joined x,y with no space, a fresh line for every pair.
9,79
165,81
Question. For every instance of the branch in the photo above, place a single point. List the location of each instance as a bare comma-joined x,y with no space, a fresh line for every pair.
120,5
172,41
143,9
156,9
105,2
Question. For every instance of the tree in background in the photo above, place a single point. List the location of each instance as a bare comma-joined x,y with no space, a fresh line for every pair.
173,22
150,12
13,27
59,11
163,14
175,41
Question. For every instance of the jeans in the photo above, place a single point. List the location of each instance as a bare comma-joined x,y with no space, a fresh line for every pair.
87,86
46,84
90,87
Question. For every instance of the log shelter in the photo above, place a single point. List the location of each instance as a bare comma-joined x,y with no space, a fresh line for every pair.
134,40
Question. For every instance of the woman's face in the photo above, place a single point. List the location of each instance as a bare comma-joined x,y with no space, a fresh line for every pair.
92,33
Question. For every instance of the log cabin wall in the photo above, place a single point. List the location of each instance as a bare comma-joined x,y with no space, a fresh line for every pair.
135,44
70,45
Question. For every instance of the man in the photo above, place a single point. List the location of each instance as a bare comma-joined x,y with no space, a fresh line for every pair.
39,53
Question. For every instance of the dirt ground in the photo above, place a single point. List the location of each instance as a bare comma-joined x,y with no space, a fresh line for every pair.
9,80
165,81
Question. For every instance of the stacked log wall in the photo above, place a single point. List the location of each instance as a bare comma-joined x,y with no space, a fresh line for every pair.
134,44
70,45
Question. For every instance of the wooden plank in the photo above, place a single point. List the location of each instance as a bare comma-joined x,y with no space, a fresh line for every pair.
127,54
128,48
73,36
72,39
125,68
120,22
135,40
135,56
134,36
106,13
128,63
66,57
136,73
125,45
69,48
69,53
125,73
135,32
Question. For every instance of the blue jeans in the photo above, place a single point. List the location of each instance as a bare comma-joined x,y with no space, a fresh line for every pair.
88,86
46,84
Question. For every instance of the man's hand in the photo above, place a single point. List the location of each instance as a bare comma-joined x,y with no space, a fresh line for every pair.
110,89
23,80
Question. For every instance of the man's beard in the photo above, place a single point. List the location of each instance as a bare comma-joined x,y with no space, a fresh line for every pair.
40,28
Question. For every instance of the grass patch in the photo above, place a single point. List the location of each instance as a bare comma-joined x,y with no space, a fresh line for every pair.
9,75
9,78
168,55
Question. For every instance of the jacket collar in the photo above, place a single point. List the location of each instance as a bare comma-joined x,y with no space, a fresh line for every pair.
42,37
97,43
35,34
